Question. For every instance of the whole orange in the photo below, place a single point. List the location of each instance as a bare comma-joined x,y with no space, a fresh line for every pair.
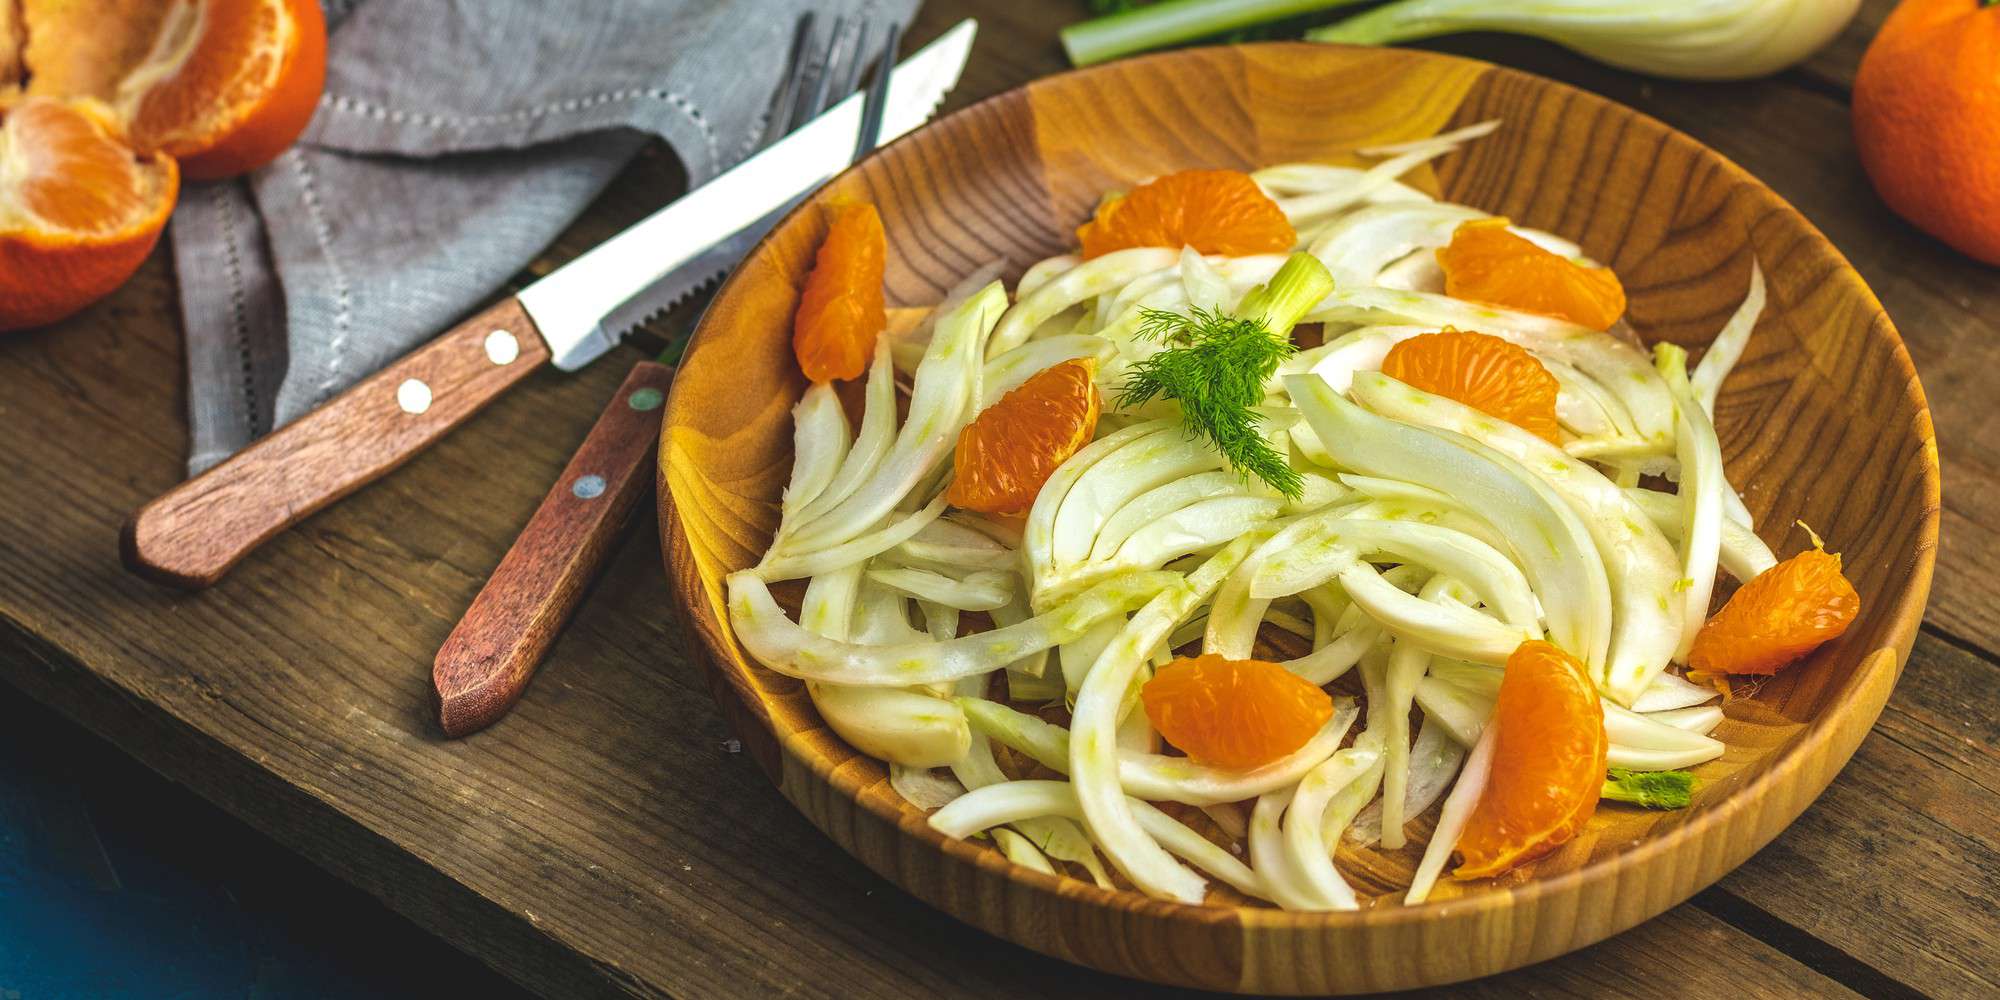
1927,119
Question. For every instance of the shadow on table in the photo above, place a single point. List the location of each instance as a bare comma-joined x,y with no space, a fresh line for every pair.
115,883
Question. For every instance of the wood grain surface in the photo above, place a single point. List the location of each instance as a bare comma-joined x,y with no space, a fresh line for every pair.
486,662
194,533
607,841
1823,421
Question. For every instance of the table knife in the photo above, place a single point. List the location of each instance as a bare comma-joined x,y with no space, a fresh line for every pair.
486,663
195,533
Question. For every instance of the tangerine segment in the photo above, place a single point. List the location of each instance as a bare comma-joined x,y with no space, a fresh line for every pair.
841,311
1548,762
228,84
78,211
1014,446
1487,263
1782,614
1213,211
1484,372
1237,714
78,48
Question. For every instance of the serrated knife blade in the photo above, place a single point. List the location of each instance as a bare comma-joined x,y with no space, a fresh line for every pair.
706,268
580,308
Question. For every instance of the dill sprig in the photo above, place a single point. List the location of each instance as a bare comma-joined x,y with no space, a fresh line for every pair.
1215,366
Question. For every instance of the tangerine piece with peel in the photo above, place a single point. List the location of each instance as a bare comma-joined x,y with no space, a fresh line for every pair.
79,211
223,86
1238,714
1484,372
108,103
1548,762
1213,211
1486,263
230,84
1008,451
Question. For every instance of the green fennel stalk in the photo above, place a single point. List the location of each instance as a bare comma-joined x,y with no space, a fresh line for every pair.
1175,21
1652,789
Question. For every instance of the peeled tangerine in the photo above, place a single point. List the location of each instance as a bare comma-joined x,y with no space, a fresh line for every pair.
1780,615
1485,262
1548,762
1014,446
1237,714
1213,211
79,211
1484,372
841,311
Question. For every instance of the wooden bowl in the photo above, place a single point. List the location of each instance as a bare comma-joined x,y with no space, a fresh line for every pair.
1823,420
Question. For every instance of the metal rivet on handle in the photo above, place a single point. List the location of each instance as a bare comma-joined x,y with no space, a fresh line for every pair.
588,487
413,396
645,399
502,348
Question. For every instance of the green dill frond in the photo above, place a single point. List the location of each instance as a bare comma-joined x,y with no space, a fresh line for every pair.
1215,366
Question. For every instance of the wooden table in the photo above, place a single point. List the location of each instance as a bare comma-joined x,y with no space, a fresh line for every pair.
607,838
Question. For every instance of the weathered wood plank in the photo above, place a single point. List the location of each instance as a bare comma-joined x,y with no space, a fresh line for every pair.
288,814
602,839
1899,861
1835,65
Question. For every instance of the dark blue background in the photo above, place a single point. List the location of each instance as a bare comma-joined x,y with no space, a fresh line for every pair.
115,883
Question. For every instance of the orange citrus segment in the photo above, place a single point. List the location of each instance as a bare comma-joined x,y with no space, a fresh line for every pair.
80,48
228,84
841,311
1213,211
1782,614
1484,372
1008,451
78,211
1238,714
1487,263
1548,762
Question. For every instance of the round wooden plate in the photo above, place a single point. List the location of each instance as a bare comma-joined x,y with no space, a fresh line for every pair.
1823,420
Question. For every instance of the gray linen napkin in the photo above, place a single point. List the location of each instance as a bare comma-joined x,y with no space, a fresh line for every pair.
456,138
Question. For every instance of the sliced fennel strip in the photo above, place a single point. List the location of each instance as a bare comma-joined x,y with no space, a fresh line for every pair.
995,805
1552,544
1093,753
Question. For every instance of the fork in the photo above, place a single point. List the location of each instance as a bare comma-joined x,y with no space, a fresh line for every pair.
486,662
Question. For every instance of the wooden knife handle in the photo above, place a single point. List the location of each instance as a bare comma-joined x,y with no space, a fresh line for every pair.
485,663
195,532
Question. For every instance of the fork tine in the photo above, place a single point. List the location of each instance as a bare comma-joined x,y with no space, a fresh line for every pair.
778,116
812,68
878,93
855,53
820,94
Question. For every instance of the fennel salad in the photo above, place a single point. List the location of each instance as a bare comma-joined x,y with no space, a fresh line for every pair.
1295,513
